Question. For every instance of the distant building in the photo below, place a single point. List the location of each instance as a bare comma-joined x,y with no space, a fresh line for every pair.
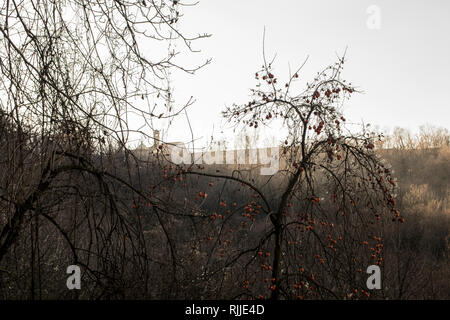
267,159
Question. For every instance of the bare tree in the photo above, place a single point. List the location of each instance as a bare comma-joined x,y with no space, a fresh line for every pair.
324,212
72,74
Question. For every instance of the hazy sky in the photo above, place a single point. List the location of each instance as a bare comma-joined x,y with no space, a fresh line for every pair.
403,66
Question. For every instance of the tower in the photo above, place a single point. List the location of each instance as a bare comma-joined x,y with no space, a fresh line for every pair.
156,137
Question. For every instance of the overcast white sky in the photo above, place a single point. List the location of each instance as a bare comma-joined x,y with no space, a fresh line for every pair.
403,67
